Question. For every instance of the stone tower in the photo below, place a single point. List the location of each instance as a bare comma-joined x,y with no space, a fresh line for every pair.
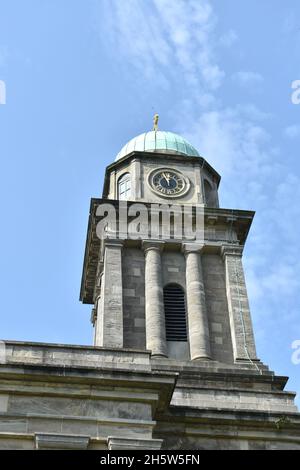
173,365
183,299
126,277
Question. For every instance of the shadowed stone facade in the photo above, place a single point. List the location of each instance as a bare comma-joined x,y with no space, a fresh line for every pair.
136,388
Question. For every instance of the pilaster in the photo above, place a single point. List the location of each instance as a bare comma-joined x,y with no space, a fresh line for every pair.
109,326
238,305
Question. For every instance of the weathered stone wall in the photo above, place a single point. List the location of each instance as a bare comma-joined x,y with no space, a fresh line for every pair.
214,438
133,271
217,308
173,268
78,397
56,396
133,267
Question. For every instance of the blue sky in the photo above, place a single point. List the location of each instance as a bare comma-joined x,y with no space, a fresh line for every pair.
85,76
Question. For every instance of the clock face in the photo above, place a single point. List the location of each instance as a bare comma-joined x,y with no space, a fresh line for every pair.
168,182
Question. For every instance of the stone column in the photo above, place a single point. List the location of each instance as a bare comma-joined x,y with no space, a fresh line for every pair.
109,328
196,304
238,306
154,311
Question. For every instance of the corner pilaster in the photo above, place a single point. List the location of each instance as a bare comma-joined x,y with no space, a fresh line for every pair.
238,304
109,325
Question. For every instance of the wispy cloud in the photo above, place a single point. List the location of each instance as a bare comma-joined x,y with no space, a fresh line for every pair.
246,78
166,39
229,38
189,27
292,131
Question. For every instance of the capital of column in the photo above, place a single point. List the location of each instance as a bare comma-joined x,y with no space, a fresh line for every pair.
153,245
113,243
231,250
187,248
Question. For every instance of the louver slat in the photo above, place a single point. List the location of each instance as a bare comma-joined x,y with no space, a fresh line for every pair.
175,315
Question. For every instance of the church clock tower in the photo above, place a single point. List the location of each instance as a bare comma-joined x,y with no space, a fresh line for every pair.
183,299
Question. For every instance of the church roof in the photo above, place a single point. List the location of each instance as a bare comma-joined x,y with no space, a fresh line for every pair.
158,141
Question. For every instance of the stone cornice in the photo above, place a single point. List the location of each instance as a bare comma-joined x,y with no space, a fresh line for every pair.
223,220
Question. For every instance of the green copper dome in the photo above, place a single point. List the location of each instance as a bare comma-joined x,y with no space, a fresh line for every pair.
155,141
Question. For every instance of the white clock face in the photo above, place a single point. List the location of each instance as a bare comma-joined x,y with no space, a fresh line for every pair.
168,182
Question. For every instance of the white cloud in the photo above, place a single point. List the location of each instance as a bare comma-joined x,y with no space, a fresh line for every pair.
166,39
228,140
246,78
252,112
292,131
189,26
135,32
228,38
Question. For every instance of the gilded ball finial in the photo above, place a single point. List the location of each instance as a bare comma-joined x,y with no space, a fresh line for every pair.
155,122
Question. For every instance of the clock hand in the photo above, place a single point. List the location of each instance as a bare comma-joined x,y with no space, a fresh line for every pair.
167,178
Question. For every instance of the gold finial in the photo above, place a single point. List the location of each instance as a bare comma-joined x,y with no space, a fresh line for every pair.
155,122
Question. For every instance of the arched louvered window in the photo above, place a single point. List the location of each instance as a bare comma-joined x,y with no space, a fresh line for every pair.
175,315
124,186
